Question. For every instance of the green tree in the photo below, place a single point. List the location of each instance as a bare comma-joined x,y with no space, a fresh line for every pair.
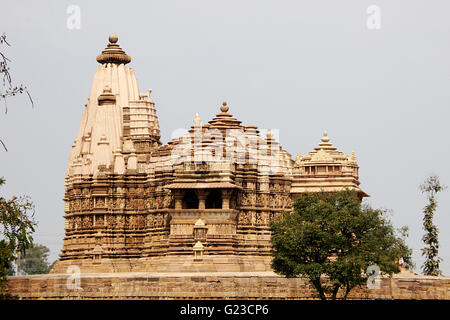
331,239
431,187
35,260
16,226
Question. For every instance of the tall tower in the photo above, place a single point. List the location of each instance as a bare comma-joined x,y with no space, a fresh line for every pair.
119,130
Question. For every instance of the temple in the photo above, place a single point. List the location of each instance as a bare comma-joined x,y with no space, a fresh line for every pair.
201,202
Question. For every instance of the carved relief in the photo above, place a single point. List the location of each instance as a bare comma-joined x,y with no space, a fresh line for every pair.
111,221
85,205
141,222
100,202
77,205
78,222
120,221
140,204
87,222
167,201
99,221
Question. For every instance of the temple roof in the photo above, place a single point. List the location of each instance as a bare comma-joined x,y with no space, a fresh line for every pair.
325,152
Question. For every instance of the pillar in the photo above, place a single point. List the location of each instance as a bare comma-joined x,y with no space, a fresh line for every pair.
226,195
201,195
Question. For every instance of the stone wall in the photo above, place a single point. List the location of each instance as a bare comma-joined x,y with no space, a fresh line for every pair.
226,285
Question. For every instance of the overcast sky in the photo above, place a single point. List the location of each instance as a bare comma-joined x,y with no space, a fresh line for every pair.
301,67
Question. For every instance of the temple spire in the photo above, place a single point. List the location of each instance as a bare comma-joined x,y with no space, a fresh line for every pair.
113,53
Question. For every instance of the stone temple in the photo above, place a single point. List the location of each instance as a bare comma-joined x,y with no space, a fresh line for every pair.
201,203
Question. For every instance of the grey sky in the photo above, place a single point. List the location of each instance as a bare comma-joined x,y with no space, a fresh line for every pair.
298,66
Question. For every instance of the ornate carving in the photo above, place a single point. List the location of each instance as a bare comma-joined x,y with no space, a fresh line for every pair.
99,221
100,202
111,221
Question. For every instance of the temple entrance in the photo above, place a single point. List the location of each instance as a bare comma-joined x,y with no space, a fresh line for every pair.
214,200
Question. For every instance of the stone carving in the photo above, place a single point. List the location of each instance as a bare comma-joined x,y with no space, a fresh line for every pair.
100,202
99,221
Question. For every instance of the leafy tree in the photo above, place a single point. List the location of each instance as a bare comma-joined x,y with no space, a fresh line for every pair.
431,187
331,239
35,260
16,226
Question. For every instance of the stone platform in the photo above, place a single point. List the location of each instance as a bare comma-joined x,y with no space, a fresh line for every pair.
210,285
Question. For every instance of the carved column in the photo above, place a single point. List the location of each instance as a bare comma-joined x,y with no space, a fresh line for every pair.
202,194
178,196
226,195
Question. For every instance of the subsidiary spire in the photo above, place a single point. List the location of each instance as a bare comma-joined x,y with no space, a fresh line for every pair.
113,53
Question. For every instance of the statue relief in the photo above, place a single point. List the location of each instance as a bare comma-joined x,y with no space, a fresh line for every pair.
148,203
114,203
99,220
159,202
252,199
141,222
264,218
134,203
167,201
78,222
133,222
77,205
70,223
258,218
85,204
159,220
111,221
100,202
242,218
121,203
120,221
245,199
87,222
252,215
140,204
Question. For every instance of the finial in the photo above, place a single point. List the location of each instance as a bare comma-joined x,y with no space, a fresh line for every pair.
269,134
113,53
325,137
224,107
113,38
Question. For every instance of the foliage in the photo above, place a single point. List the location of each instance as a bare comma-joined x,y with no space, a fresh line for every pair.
331,239
431,187
17,225
35,260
